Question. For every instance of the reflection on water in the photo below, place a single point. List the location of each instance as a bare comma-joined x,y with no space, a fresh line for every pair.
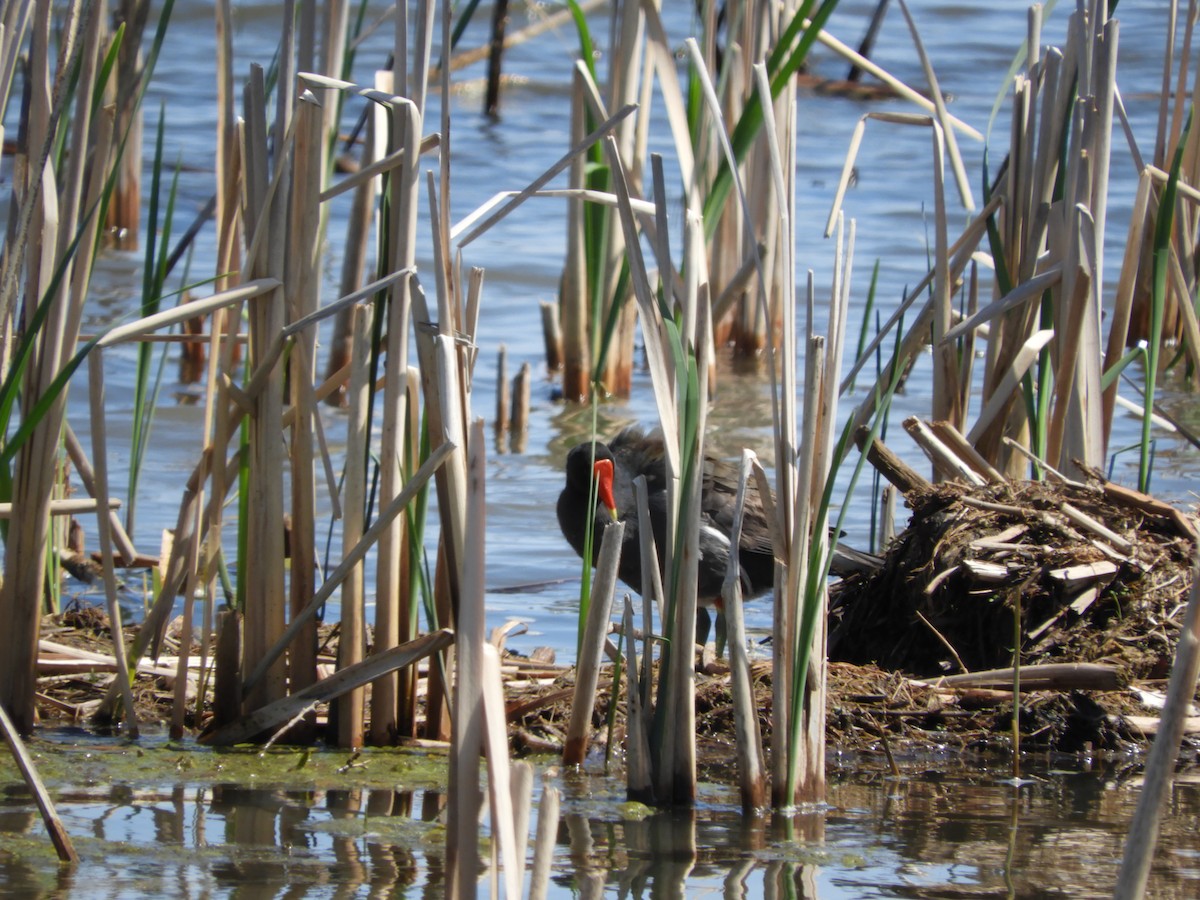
936,832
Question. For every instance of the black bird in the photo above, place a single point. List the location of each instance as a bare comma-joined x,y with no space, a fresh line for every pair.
632,453
617,464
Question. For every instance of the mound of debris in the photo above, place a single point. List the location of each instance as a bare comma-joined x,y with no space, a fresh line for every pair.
1083,573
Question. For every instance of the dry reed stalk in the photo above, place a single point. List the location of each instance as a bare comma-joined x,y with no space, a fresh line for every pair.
303,266
498,207
503,399
786,631
544,842
352,641
654,598
522,385
573,297
228,153
66,507
104,534
1160,764
591,646
639,778
404,128
59,835
551,335
501,787
903,90
947,378
333,36
946,462
187,617
265,214
752,774
382,522
941,114
522,801
124,210
471,727
216,430
41,243
354,258
83,468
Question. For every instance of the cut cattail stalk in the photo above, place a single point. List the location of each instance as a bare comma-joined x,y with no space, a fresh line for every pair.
752,775
552,336
520,409
503,397
587,669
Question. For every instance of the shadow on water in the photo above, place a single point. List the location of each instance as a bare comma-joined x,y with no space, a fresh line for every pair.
947,827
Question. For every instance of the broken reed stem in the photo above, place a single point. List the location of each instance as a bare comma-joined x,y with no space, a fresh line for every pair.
752,776
544,841
503,397
522,385
304,233
263,581
639,767
470,673
403,126
1160,764
104,533
587,669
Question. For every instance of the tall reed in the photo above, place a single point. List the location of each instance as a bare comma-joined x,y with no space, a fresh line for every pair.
58,203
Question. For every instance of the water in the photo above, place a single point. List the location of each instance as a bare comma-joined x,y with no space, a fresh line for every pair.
951,829
942,835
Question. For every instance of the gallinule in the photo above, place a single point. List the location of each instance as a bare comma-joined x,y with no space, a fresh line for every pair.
632,453
618,463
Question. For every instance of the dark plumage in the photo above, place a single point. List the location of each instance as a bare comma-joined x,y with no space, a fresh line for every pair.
632,453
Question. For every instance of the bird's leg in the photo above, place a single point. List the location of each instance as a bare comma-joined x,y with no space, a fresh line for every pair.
704,624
